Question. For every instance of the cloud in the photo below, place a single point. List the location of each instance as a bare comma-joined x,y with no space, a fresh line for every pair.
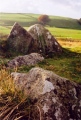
74,4
69,8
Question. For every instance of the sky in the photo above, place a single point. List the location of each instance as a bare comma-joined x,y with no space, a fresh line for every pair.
66,8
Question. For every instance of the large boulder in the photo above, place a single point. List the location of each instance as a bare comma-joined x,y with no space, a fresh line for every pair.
28,60
57,98
19,40
37,39
44,41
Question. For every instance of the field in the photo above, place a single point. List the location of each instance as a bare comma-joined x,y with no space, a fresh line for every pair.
60,27
67,31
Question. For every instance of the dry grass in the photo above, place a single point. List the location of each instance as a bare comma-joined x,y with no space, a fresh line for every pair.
14,105
69,43
6,82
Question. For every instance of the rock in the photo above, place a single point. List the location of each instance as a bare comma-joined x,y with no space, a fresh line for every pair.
57,98
44,41
19,40
3,47
28,60
37,39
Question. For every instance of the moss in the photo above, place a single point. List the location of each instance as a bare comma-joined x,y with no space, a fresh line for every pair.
42,43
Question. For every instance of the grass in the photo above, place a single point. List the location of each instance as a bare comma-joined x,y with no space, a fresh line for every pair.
13,105
60,27
67,65
7,19
4,31
62,33
59,33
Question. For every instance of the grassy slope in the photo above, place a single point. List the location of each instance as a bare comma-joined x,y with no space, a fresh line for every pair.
60,27
29,19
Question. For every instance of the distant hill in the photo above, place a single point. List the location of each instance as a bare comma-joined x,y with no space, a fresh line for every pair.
8,19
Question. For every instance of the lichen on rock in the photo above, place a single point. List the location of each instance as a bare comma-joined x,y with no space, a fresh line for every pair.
37,39
28,60
58,98
49,45
19,40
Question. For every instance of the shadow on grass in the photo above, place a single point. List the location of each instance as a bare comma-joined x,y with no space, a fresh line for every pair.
67,65
69,54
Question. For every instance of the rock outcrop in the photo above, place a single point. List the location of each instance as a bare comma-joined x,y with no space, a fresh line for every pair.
57,97
27,60
19,40
44,41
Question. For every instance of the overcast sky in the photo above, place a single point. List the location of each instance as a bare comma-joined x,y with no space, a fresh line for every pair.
67,8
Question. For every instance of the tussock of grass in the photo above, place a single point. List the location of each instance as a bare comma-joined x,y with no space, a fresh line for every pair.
6,82
14,105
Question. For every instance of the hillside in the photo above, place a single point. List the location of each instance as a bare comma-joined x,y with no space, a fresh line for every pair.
7,19
32,87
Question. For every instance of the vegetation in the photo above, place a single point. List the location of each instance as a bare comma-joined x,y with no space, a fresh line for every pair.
79,21
13,105
60,27
43,19
26,20
68,38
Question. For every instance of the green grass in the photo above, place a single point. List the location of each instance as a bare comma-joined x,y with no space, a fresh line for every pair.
60,27
57,32
4,30
65,33
69,36
62,33
7,19
64,22
23,19
67,65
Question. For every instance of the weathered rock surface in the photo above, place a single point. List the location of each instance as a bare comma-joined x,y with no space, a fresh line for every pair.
37,39
29,60
19,40
57,97
44,41
3,48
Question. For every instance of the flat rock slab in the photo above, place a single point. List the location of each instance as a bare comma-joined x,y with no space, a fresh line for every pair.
27,60
57,98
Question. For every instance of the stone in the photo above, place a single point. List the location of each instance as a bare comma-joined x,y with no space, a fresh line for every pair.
3,47
57,98
19,41
44,41
28,60
36,39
